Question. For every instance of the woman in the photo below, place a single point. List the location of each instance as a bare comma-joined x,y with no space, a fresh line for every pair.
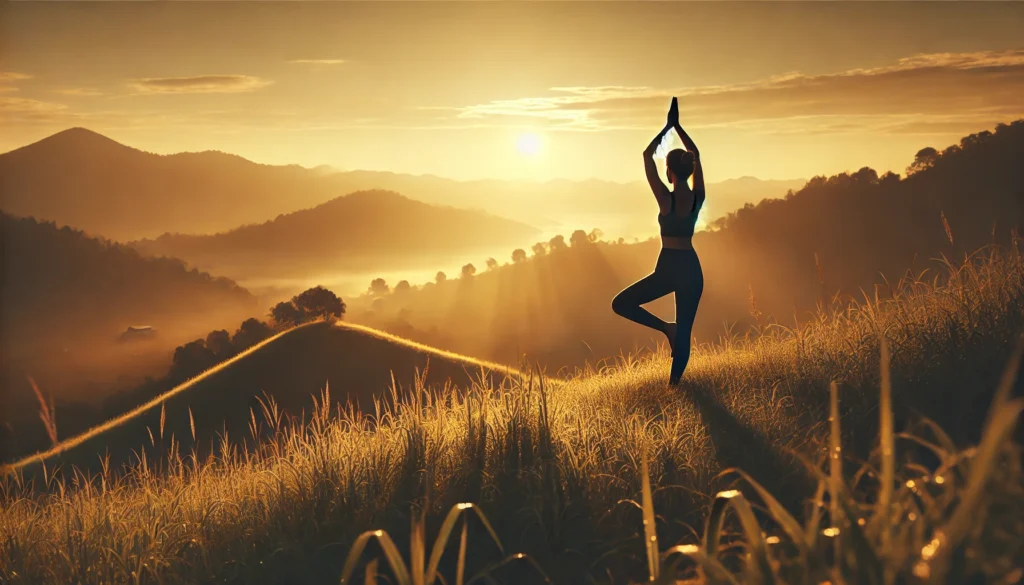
678,268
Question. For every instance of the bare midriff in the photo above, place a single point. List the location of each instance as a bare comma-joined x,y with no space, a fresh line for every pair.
676,243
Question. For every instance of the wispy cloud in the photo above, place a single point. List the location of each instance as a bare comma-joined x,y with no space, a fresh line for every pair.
318,61
79,91
21,110
199,84
959,88
9,76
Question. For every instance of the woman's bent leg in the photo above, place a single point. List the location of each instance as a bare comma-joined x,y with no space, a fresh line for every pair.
627,303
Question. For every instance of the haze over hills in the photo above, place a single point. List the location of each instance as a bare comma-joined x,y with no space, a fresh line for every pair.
66,298
80,178
360,232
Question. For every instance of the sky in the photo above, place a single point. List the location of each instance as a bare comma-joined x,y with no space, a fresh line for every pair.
530,90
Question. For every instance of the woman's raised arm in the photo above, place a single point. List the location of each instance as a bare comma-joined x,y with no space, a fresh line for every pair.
660,190
698,172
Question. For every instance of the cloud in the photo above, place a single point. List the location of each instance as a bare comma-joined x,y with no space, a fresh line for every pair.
9,76
960,88
199,84
80,91
15,110
318,61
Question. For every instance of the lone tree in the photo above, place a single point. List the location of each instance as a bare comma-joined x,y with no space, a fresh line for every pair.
319,303
518,255
311,304
441,278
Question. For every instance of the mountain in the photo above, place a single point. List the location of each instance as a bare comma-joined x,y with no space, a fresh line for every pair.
357,364
81,178
365,230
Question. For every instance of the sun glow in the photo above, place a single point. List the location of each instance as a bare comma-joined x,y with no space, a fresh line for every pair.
528,144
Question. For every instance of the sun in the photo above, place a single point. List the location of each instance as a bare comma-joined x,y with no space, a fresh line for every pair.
528,144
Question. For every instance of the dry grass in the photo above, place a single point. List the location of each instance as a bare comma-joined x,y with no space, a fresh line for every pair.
558,471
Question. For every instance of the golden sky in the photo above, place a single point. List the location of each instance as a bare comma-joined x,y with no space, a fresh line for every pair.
773,90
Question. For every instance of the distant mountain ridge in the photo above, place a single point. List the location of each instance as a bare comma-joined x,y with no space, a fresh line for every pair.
81,178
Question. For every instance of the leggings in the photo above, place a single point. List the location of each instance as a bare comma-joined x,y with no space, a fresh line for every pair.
679,272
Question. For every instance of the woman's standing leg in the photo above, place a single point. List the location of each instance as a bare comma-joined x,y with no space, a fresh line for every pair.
688,292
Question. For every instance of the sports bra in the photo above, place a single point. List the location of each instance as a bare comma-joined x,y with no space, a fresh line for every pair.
679,226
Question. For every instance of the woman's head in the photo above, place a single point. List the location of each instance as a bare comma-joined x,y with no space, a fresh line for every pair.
680,165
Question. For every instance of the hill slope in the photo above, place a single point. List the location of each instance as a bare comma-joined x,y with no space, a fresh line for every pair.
366,230
357,363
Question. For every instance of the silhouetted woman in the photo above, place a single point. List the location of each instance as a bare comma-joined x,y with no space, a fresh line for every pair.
678,268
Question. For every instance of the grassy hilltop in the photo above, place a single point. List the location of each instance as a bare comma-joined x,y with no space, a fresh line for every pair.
557,467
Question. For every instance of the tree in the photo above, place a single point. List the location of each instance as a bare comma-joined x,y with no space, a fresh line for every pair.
402,287
595,235
518,255
319,303
468,271
219,342
441,277
492,264
286,314
924,159
557,243
250,332
579,238
539,249
378,287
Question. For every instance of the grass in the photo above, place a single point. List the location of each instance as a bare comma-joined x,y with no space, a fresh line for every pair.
571,474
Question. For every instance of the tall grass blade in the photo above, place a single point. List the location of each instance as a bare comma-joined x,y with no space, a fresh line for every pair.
650,532
445,533
836,483
391,553
714,571
999,429
888,455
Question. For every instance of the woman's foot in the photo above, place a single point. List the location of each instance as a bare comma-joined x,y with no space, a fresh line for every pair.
670,332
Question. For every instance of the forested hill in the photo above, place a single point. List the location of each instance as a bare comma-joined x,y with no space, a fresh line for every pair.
62,286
